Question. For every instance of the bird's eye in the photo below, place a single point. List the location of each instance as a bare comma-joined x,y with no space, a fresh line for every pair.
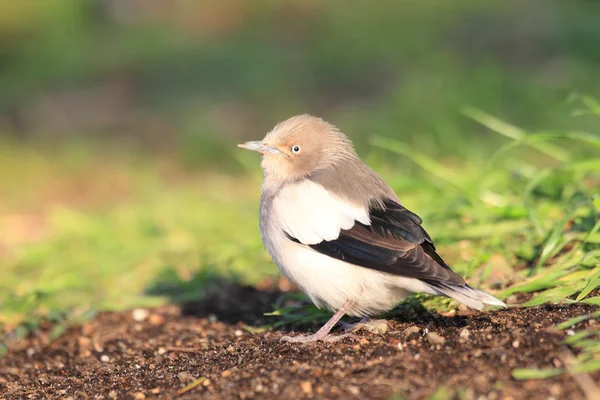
296,149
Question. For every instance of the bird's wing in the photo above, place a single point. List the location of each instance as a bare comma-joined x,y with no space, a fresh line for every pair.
388,239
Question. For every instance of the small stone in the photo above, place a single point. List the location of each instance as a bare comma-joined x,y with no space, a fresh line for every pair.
139,396
226,373
155,390
161,351
399,346
354,390
206,383
570,332
259,388
377,326
464,333
306,387
516,344
449,314
434,338
156,319
230,349
112,394
410,331
30,352
87,329
184,377
238,332
212,318
104,358
556,390
140,314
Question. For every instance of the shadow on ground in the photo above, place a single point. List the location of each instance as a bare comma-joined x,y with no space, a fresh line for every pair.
207,295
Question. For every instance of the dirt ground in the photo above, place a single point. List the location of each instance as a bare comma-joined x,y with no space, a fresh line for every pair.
161,353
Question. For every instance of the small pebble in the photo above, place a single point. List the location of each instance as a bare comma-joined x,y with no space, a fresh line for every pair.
184,376
104,358
206,383
434,338
140,314
409,331
30,352
570,332
140,396
161,351
238,332
212,318
306,387
156,319
354,390
464,333
516,344
226,373
259,388
113,395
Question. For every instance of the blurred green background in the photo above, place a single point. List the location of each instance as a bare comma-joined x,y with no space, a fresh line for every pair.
120,182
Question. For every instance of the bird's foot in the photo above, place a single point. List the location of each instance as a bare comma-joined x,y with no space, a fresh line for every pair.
315,338
378,326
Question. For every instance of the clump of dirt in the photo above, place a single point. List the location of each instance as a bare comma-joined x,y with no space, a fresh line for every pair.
156,354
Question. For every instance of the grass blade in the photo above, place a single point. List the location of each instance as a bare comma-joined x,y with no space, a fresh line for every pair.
514,133
532,373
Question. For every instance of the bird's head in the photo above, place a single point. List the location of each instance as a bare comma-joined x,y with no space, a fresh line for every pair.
300,146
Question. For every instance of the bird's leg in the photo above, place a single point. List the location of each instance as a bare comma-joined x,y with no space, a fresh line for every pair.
323,333
370,325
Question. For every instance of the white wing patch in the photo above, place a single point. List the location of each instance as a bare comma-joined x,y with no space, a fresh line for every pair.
311,214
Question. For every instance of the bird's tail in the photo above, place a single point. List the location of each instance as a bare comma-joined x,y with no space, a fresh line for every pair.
466,295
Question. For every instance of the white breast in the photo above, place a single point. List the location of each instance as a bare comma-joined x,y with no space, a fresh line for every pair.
309,213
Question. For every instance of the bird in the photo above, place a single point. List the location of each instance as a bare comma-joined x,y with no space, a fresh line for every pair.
339,232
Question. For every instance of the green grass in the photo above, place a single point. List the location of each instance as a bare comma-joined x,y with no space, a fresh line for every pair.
90,232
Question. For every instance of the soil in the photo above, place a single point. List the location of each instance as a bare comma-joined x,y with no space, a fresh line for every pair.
157,353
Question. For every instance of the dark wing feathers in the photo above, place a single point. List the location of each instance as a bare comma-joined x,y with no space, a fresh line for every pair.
395,243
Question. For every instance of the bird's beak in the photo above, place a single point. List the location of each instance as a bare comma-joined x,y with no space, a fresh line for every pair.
259,147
